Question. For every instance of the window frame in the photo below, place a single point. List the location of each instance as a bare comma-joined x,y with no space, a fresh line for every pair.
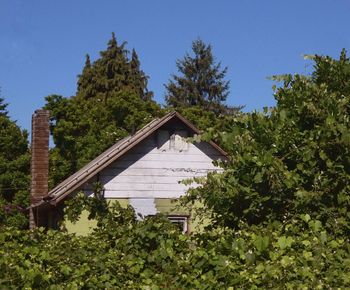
177,219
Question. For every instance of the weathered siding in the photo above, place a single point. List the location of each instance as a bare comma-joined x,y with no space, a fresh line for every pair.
150,174
153,171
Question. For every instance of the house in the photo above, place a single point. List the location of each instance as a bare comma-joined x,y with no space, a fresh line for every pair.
144,170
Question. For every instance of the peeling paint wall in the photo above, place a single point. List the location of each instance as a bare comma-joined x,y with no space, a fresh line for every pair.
143,207
155,168
149,176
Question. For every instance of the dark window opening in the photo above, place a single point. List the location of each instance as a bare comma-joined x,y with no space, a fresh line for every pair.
181,222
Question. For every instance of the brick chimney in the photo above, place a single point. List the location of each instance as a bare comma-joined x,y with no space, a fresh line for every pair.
39,164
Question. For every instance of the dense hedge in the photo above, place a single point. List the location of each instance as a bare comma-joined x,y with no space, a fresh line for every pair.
152,254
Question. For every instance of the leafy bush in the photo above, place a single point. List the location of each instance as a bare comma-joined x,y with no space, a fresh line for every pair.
153,254
291,159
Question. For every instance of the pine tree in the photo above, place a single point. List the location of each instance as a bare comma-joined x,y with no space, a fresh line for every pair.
112,101
14,171
113,72
85,83
201,81
3,105
139,78
200,91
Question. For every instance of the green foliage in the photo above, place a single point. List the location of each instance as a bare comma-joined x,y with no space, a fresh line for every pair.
112,102
201,85
280,208
204,119
291,159
111,73
153,254
14,171
106,214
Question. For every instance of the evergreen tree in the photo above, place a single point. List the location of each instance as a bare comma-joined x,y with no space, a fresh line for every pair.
201,82
85,83
139,78
14,171
113,72
112,101
200,91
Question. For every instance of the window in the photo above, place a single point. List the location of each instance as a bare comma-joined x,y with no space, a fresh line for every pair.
181,222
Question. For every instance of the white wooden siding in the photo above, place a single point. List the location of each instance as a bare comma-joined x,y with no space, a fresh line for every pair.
143,206
153,170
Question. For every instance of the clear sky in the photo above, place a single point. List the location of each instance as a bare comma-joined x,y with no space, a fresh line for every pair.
43,42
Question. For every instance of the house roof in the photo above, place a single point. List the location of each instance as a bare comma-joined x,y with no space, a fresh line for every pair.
66,187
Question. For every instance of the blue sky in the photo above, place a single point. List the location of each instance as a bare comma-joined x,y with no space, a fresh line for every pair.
43,43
